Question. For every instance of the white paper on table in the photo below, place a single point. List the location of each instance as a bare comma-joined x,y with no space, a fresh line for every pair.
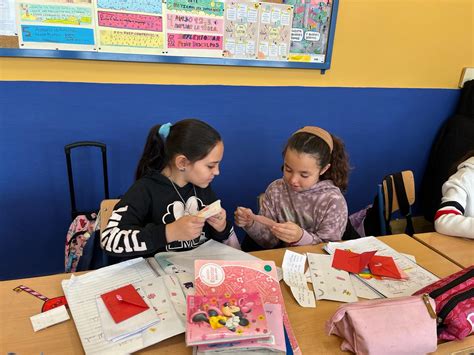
293,262
49,318
330,283
418,277
304,296
132,326
364,291
293,275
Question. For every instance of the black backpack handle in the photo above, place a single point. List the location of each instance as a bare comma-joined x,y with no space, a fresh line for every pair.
67,150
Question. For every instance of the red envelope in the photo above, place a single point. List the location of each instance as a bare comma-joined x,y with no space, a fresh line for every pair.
384,266
123,303
352,262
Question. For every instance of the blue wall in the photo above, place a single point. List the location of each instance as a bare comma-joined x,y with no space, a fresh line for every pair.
385,130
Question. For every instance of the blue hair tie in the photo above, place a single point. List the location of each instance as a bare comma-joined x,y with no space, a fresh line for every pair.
164,130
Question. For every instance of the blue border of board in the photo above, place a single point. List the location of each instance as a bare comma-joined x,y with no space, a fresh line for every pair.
126,57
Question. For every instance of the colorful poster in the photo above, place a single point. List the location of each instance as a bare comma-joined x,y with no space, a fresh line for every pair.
64,26
198,7
146,6
179,22
128,39
55,14
56,34
310,32
275,31
7,18
194,28
130,26
130,21
241,29
188,41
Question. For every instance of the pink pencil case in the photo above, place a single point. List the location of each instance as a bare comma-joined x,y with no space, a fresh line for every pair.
403,325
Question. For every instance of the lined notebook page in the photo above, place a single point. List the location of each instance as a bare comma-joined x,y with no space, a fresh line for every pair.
81,293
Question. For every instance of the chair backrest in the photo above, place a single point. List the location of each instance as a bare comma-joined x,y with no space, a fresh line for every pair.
408,182
397,192
106,209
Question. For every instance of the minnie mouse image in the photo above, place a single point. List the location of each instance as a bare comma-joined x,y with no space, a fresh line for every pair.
215,319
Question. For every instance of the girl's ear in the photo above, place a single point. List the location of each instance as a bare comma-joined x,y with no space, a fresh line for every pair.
181,162
323,170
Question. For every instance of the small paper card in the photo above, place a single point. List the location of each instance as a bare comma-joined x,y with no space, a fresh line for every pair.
123,303
210,210
384,266
49,318
264,220
351,262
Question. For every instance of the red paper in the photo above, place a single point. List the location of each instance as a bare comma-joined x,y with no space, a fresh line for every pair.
384,266
351,262
123,303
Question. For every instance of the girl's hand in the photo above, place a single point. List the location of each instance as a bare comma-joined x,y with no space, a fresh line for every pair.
185,228
218,221
288,232
242,217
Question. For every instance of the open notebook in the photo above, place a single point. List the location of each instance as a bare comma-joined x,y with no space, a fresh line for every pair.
82,293
418,277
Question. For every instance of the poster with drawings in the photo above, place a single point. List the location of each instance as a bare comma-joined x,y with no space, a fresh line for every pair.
310,30
241,27
56,25
130,26
275,30
195,28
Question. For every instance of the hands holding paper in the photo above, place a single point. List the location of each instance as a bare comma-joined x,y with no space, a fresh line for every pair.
218,221
288,232
190,227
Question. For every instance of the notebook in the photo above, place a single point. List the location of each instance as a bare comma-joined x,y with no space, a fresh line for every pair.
223,318
215,277
82,293
274,345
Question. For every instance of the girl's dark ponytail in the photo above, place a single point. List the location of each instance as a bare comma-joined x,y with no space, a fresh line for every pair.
191,137
339,169
153,157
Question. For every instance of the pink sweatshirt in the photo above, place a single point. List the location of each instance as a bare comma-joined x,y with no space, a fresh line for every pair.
321,211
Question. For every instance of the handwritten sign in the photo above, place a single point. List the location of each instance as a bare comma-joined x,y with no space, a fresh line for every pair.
131,39
55,34
149,6
188,23
55,14
130,21
188,41
199,7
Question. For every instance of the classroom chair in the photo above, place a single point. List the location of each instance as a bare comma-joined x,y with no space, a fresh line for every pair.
93,256
396,193
106,209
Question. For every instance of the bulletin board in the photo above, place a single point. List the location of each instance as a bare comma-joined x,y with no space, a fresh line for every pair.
280,33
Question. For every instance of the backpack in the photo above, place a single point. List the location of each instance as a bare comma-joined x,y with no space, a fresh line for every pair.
79,232
454,297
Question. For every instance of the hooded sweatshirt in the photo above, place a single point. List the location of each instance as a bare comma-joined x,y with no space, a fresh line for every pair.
455,215
320,211
137,225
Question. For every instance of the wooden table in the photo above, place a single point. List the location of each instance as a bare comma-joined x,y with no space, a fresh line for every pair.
16,333
459,250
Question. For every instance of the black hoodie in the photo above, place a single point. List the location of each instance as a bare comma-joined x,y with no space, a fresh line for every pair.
137,225
454,140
